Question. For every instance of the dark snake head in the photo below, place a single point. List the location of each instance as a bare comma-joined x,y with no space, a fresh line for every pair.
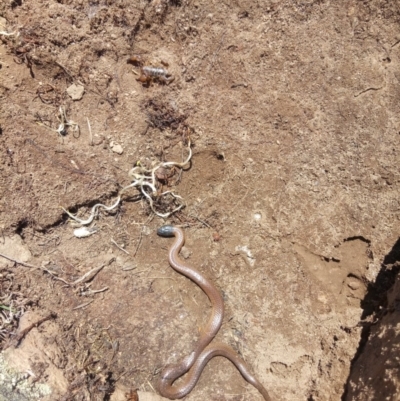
166,231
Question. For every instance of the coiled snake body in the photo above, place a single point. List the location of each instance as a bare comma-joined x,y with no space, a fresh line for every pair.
194,363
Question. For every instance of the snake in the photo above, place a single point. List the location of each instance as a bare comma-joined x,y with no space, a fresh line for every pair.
192,365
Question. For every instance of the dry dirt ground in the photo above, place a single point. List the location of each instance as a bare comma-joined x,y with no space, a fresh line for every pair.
292,196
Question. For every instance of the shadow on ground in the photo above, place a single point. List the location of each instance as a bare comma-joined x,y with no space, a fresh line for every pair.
375,368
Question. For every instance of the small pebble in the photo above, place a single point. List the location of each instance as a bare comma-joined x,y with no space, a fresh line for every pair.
354,284
116,148
185,252
75,91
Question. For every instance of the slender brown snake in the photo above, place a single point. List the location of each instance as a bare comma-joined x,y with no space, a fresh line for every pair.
194,363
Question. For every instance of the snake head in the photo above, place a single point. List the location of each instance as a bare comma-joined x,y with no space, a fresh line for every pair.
166,231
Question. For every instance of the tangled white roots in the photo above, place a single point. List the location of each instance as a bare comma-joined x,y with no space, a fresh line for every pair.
145,180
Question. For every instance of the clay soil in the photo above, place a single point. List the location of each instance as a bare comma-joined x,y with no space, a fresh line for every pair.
291,196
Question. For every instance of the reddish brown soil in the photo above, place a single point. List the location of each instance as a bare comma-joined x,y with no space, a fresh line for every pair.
292,196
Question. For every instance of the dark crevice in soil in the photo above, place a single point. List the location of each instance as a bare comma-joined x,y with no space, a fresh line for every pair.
62,220
375,299
64,217
358,237
363,341
21,225
375,302
16,3
90,203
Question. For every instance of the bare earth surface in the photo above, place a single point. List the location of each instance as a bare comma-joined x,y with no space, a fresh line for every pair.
292,196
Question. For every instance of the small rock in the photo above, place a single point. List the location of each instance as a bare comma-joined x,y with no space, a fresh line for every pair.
76,91
354,284
3,23
14,248
116,148
185,252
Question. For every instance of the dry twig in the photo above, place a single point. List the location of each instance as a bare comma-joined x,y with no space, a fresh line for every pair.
119,247
18,262
16,341
91,273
